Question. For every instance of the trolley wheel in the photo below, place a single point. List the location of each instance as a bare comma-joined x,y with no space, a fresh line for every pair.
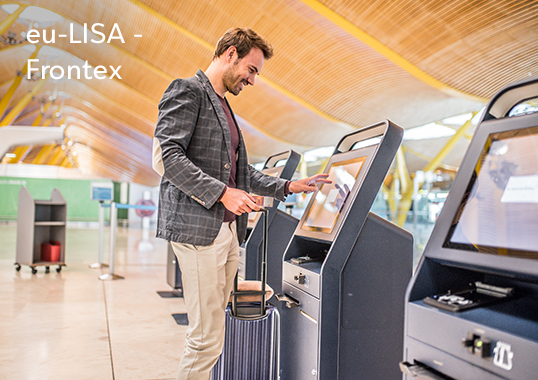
17,267
34,270
59,269
47,269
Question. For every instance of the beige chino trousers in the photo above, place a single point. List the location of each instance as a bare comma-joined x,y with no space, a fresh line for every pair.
207,274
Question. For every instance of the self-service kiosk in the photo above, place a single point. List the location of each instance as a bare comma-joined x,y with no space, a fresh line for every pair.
281,227
345,271
472,307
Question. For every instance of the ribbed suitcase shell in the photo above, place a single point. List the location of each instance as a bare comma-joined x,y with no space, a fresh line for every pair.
251,348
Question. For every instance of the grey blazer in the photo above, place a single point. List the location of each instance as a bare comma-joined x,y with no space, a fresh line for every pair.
195,148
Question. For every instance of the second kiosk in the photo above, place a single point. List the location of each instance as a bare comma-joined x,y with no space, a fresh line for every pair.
346,269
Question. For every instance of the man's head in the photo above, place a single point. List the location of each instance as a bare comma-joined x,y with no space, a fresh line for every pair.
244,39
242,53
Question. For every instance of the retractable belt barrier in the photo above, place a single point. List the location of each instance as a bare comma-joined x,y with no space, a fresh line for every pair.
113,228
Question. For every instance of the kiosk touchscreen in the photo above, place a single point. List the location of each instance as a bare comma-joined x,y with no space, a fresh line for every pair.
472,308
499,212
323,213
345,270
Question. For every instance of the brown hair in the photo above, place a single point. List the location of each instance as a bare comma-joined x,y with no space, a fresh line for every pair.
244,39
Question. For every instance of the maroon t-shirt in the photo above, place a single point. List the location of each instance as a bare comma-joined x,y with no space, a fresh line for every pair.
228,215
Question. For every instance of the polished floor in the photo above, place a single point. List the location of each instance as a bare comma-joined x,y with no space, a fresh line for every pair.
73,326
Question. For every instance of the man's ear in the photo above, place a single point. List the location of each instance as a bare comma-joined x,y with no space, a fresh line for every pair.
232,50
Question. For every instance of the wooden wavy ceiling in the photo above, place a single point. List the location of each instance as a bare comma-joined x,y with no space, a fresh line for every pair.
338,65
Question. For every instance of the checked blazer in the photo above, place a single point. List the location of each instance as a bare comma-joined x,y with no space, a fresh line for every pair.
195,142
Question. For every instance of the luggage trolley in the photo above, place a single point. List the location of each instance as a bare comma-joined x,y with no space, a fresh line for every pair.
345,271
472,307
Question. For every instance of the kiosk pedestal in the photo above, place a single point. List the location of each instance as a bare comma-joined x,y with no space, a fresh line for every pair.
345,271
281,227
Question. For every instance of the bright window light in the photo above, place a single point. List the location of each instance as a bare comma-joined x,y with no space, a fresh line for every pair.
478,116
318,153
367,142
428,131
457,120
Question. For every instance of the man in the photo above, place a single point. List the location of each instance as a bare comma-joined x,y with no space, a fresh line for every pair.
204,196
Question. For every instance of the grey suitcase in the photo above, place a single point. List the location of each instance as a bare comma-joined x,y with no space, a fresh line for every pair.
251,344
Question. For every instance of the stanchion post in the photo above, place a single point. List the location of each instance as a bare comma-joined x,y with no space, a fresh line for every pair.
113,226
100,263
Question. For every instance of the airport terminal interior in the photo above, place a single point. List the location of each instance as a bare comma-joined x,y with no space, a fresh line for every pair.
418,261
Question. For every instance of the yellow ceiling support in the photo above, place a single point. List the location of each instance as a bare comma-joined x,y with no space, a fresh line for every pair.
426,158
406,187
17,109
388,53
12,18
45,150
43,154
4,103
431,166
22,151
66,163
39,117
403,172
52,117
449,145
389,198
211,48
57,156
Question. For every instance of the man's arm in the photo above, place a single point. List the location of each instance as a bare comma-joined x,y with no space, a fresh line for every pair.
264,184
178,114
310,184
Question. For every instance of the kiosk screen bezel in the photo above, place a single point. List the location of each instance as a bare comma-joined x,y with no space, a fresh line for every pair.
436,247
303,229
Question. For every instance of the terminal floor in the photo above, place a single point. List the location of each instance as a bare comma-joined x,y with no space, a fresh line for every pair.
71,325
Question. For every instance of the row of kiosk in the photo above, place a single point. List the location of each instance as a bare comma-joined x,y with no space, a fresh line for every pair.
342,275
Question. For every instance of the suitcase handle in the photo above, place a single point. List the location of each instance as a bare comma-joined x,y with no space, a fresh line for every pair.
236,293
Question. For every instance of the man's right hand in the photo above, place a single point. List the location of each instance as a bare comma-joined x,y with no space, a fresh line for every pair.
239,201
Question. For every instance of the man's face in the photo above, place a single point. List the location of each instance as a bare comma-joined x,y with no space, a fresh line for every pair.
242,72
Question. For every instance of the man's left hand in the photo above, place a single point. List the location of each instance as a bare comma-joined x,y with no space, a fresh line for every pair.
310,184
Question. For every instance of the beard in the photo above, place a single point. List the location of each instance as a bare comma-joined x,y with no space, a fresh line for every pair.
232,80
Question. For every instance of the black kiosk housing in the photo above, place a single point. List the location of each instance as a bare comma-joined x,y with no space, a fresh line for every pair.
472,307
281,227
345,271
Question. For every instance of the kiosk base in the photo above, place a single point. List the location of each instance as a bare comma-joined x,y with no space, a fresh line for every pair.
369,341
